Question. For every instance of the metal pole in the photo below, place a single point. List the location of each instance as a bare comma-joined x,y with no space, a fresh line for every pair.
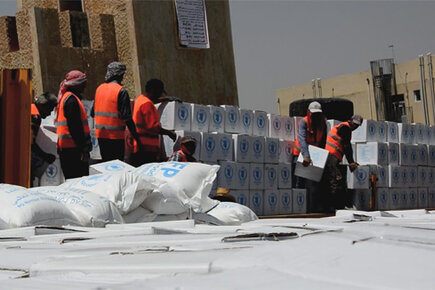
423,87
370,98
432,94
319,87
313,86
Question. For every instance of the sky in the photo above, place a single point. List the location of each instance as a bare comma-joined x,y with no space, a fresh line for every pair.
280,44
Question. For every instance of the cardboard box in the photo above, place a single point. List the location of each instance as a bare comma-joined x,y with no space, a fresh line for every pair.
431,176
372,153
428,130
367,132
404,176
299,200
112,166
313,171
393,153
404,199
413,155
432,135
362,199
288,128
242,176
412,176
382,132
394,176
47,140
274,126
425,198
271,202
208,149
217,119
422,176
285,203
344,160
296,121
412,134
260,124
359,178
382,176
256,176
232,119
53,175
256,201
423,152
404,131
200,118
392,132
413,197
171,146
404,154
286,151
258,148
383,199
242,148
175,115
284,175
271,150
247,121
420,134
431,155
270,176
241,196
395,198
227,174
225,147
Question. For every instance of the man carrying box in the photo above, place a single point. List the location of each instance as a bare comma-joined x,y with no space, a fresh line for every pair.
338,144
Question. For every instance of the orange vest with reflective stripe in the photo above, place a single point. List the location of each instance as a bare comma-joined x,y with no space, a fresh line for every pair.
183,156
64,138
333,141
311,139
146,120
34,110
107,122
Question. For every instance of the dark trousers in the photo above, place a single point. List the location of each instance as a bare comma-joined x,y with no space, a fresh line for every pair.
71,163
336,183
140,158
111,149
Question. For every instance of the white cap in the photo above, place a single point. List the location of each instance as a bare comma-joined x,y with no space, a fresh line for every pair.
315,107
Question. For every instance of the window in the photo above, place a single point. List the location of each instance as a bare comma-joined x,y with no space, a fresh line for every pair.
417,96
71,5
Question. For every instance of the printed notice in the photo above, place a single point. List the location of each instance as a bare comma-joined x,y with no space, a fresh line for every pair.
192,23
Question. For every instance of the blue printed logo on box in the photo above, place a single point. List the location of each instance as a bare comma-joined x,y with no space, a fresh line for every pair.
372,129
256,199
232,116
288,126
217,117
201,116
260,122
272,148
276,124
285,200
272,199
228,172
300,199
243,173
210,144
244,146
225,143
257,175
285,174
246,120
52,170
361,176
242,199
183,113
271,174
257,146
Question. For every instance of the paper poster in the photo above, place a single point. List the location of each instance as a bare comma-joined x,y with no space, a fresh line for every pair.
192,23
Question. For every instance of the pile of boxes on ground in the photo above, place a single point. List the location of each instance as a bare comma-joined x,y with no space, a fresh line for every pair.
403,158
253,148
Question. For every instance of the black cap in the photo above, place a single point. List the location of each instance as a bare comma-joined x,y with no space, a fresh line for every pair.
188,139
155,84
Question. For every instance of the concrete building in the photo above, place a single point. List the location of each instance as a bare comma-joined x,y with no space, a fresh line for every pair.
387,91
52,37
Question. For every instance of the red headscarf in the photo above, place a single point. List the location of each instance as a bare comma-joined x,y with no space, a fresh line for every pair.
320,130
72,79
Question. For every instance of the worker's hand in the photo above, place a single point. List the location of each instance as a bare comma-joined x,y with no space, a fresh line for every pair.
85,157
307,161
172,135
49,158
353,166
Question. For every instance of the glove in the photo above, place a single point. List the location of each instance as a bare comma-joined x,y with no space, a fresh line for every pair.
49,158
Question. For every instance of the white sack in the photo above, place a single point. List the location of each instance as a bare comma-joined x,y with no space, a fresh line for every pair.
20,207
171,217
139,215
231,213
126,190
190,182
90,209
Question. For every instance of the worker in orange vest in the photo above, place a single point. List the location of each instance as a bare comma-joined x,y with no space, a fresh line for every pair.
338,144
147,121
187,149
112,112
40,109
74,141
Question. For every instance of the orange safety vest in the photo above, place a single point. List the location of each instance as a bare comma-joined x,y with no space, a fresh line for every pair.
310,138
64,138
146,120
34,110
107,122
183,156
334,142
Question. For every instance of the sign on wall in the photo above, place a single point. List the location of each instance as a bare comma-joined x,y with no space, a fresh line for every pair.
192,23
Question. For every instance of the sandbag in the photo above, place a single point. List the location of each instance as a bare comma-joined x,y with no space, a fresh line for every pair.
90,209
139,215
231,213
20,207
125,189
166,200
189,182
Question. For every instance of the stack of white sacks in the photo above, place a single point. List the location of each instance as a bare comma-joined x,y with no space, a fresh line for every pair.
253,148
403,158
